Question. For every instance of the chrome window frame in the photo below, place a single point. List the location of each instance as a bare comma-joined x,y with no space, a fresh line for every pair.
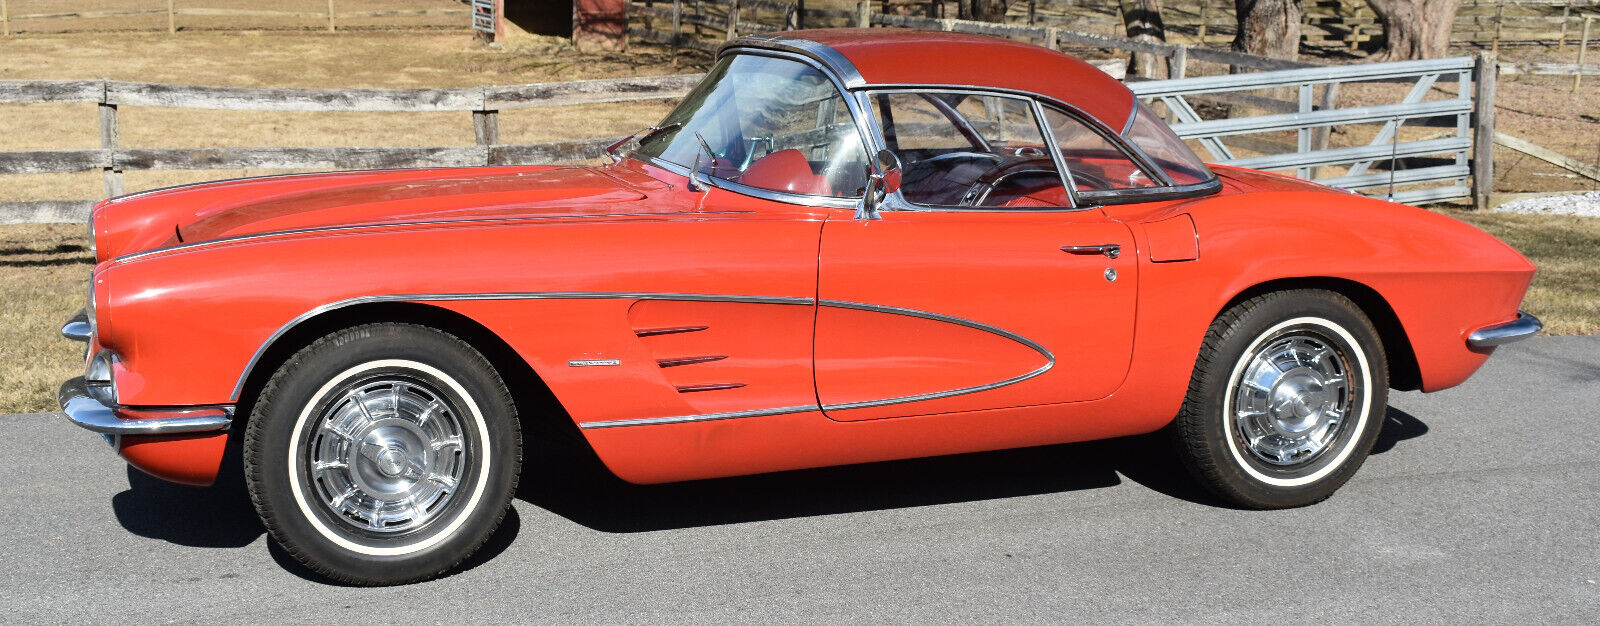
853,87
867,142
897,200
1081,200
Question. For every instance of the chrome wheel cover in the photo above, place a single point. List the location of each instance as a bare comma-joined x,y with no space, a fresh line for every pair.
1293,399
387,457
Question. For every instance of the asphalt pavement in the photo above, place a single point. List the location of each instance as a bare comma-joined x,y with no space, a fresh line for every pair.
1480,504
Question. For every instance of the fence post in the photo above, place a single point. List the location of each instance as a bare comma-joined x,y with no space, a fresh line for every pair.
1303,134
1499,11
733,19
864,14
5,18
799,14
1033,15
1566,14
1178,63
1583,51
172,19
110,139
677,26
1483,77
1201,33
486,127
1052,38
330,16
1320,135
791,18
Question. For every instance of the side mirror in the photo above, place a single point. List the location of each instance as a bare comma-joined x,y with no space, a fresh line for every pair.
883,178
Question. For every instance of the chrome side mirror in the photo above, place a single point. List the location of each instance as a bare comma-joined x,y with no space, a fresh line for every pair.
883,178
698,180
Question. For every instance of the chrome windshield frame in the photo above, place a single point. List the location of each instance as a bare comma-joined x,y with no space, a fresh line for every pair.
743,46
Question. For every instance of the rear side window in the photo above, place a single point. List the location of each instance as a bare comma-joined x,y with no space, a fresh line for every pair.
1157,140
1095,162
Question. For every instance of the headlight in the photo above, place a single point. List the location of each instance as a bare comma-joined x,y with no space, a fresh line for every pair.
99,378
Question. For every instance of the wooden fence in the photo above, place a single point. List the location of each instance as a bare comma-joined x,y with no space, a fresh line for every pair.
1347,23
482,103
10,23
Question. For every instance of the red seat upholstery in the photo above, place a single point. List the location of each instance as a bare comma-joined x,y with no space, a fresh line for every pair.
1048,197
786,170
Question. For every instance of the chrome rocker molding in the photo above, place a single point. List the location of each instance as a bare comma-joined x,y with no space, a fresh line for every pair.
77,328
1523,327
85,411
1050,359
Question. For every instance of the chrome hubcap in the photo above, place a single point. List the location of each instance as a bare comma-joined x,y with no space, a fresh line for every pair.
1293,398
386,458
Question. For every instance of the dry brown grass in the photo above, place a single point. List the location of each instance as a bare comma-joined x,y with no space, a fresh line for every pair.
44,271
1566,292
394,59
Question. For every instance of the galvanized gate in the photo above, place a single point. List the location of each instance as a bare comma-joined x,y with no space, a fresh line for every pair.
1376,155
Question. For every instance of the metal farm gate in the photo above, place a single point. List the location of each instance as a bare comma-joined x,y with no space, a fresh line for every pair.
1429,161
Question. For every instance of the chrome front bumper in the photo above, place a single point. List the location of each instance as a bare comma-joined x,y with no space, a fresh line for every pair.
1523,327
77,328
98,412
84,410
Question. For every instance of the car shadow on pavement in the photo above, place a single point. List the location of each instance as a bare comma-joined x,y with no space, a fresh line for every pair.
219,516
568,480
564,477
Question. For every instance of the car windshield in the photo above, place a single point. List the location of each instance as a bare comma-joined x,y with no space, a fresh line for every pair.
771,123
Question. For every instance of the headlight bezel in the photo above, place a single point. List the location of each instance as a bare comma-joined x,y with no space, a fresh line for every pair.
100,377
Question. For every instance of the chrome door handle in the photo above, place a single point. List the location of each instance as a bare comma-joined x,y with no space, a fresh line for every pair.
1111,250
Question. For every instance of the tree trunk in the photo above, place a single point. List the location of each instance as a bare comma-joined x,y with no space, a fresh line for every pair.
1142,21
1269,28
988,10
1415,29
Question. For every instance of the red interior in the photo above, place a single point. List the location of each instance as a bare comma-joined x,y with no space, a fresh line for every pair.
786,170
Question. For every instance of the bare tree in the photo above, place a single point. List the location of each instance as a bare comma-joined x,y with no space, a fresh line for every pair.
1268,28
1415,29
1142,21
982,10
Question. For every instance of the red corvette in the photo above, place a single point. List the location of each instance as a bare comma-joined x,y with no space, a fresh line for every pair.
843,246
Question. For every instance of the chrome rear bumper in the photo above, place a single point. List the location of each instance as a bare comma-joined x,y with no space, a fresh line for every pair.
1523,327
86,411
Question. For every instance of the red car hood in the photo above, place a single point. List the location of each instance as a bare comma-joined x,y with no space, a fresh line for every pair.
217,210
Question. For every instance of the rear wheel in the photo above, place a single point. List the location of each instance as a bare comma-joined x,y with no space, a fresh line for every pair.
383,453
1286,399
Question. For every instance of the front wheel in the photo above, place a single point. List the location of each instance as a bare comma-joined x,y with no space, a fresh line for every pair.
1287,397
383,453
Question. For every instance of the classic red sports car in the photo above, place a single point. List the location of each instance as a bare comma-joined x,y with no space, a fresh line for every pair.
843,246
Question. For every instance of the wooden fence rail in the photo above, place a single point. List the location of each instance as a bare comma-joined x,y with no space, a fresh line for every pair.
7,19
483,103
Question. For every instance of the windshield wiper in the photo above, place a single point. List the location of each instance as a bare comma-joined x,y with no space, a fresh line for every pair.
643,135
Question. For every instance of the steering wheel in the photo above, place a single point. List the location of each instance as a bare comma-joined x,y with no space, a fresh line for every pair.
917,170
995,176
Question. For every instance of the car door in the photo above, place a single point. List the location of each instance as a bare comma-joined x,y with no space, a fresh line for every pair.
977,293
941,311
